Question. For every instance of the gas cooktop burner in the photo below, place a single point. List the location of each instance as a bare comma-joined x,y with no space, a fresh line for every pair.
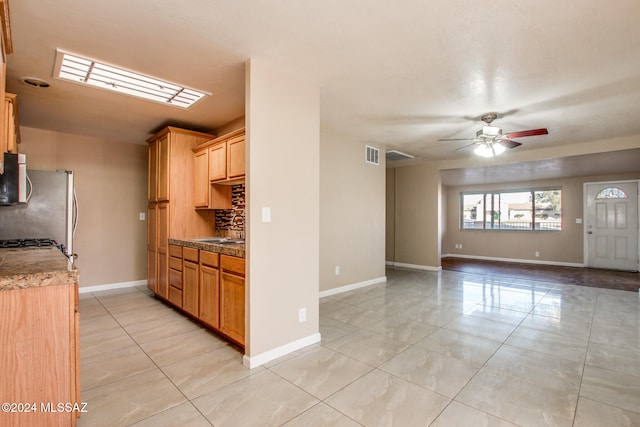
26,243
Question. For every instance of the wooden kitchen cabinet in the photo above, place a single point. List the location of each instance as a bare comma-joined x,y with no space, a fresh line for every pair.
201,176
209,282
11,134
207,195
162,250
152,245
175,275
6,47
236,157
39,356
226,158
232,297
218,162
171,200
190,277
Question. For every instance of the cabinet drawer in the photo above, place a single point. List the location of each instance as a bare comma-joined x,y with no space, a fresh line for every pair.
232,264
209,258
175,296
190,254
175,278
175,263
175,250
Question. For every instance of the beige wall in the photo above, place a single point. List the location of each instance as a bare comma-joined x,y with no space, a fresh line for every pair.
390,208
111,184
561,247
352,214
417,228
283,171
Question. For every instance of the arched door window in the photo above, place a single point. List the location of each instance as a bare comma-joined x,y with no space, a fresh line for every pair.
611,193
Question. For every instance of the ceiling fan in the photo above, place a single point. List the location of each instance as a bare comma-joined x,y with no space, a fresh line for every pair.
491,142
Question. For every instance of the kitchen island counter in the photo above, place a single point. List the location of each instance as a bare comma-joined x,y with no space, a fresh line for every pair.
22,268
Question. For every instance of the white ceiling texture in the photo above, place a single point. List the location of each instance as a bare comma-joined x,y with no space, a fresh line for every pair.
395,74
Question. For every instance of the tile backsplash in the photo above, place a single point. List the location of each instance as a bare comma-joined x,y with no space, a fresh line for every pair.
224,217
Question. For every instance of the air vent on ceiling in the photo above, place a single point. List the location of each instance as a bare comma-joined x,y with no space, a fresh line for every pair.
397,155
372,155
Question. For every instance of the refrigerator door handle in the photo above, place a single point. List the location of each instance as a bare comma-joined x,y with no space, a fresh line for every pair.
76,212
30,187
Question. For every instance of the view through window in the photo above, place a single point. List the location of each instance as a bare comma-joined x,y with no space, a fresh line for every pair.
534,209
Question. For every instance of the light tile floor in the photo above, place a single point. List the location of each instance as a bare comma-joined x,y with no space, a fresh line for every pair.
430,349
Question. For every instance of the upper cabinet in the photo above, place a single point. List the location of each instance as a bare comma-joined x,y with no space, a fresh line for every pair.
219,163
8,108
225,157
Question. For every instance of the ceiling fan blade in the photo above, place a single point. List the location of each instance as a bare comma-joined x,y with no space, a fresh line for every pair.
465,146
507,143
523,133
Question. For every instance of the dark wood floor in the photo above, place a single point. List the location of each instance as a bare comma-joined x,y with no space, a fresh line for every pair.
570,275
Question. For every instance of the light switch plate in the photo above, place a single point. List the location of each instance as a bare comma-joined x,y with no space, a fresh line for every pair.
266,214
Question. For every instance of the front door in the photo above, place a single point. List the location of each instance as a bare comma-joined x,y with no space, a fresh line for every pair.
611,227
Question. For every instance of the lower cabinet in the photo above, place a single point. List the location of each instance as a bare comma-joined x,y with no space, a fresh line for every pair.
175,275
232,297
190,292
39,356
210,287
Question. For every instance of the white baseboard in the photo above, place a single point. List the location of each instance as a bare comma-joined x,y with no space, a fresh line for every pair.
352,286
413,266
523,261
111,286
268,356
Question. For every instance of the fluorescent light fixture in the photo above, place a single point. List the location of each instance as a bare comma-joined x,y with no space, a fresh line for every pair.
489,149
78,69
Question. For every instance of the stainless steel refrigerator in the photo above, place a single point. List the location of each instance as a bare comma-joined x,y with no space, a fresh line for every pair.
51,211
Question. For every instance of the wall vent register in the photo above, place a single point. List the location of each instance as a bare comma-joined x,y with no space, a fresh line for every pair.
372,155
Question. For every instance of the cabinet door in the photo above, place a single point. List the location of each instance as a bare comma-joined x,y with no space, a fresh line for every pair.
152,189
232,306
210,296
163,168
190,289
152,255
218,162
235,158
162,285
201,176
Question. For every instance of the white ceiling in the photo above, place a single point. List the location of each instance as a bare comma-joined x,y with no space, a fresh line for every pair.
398,74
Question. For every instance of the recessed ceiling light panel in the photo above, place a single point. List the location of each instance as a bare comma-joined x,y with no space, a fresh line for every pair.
90,72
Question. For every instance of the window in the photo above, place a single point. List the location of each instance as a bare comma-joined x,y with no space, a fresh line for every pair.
535,209
611,193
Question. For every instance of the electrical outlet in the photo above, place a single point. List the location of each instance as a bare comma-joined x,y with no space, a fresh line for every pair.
302,315
537,253
142,216
337,270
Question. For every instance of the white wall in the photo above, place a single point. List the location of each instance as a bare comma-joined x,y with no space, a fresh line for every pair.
352,214
283,173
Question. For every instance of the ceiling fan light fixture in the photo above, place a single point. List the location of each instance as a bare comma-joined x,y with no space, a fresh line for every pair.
489,149
491,131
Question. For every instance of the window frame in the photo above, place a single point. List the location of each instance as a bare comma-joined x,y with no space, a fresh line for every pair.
494,195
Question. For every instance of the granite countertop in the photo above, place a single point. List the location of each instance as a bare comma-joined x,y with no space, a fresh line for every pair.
231,249
22,268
